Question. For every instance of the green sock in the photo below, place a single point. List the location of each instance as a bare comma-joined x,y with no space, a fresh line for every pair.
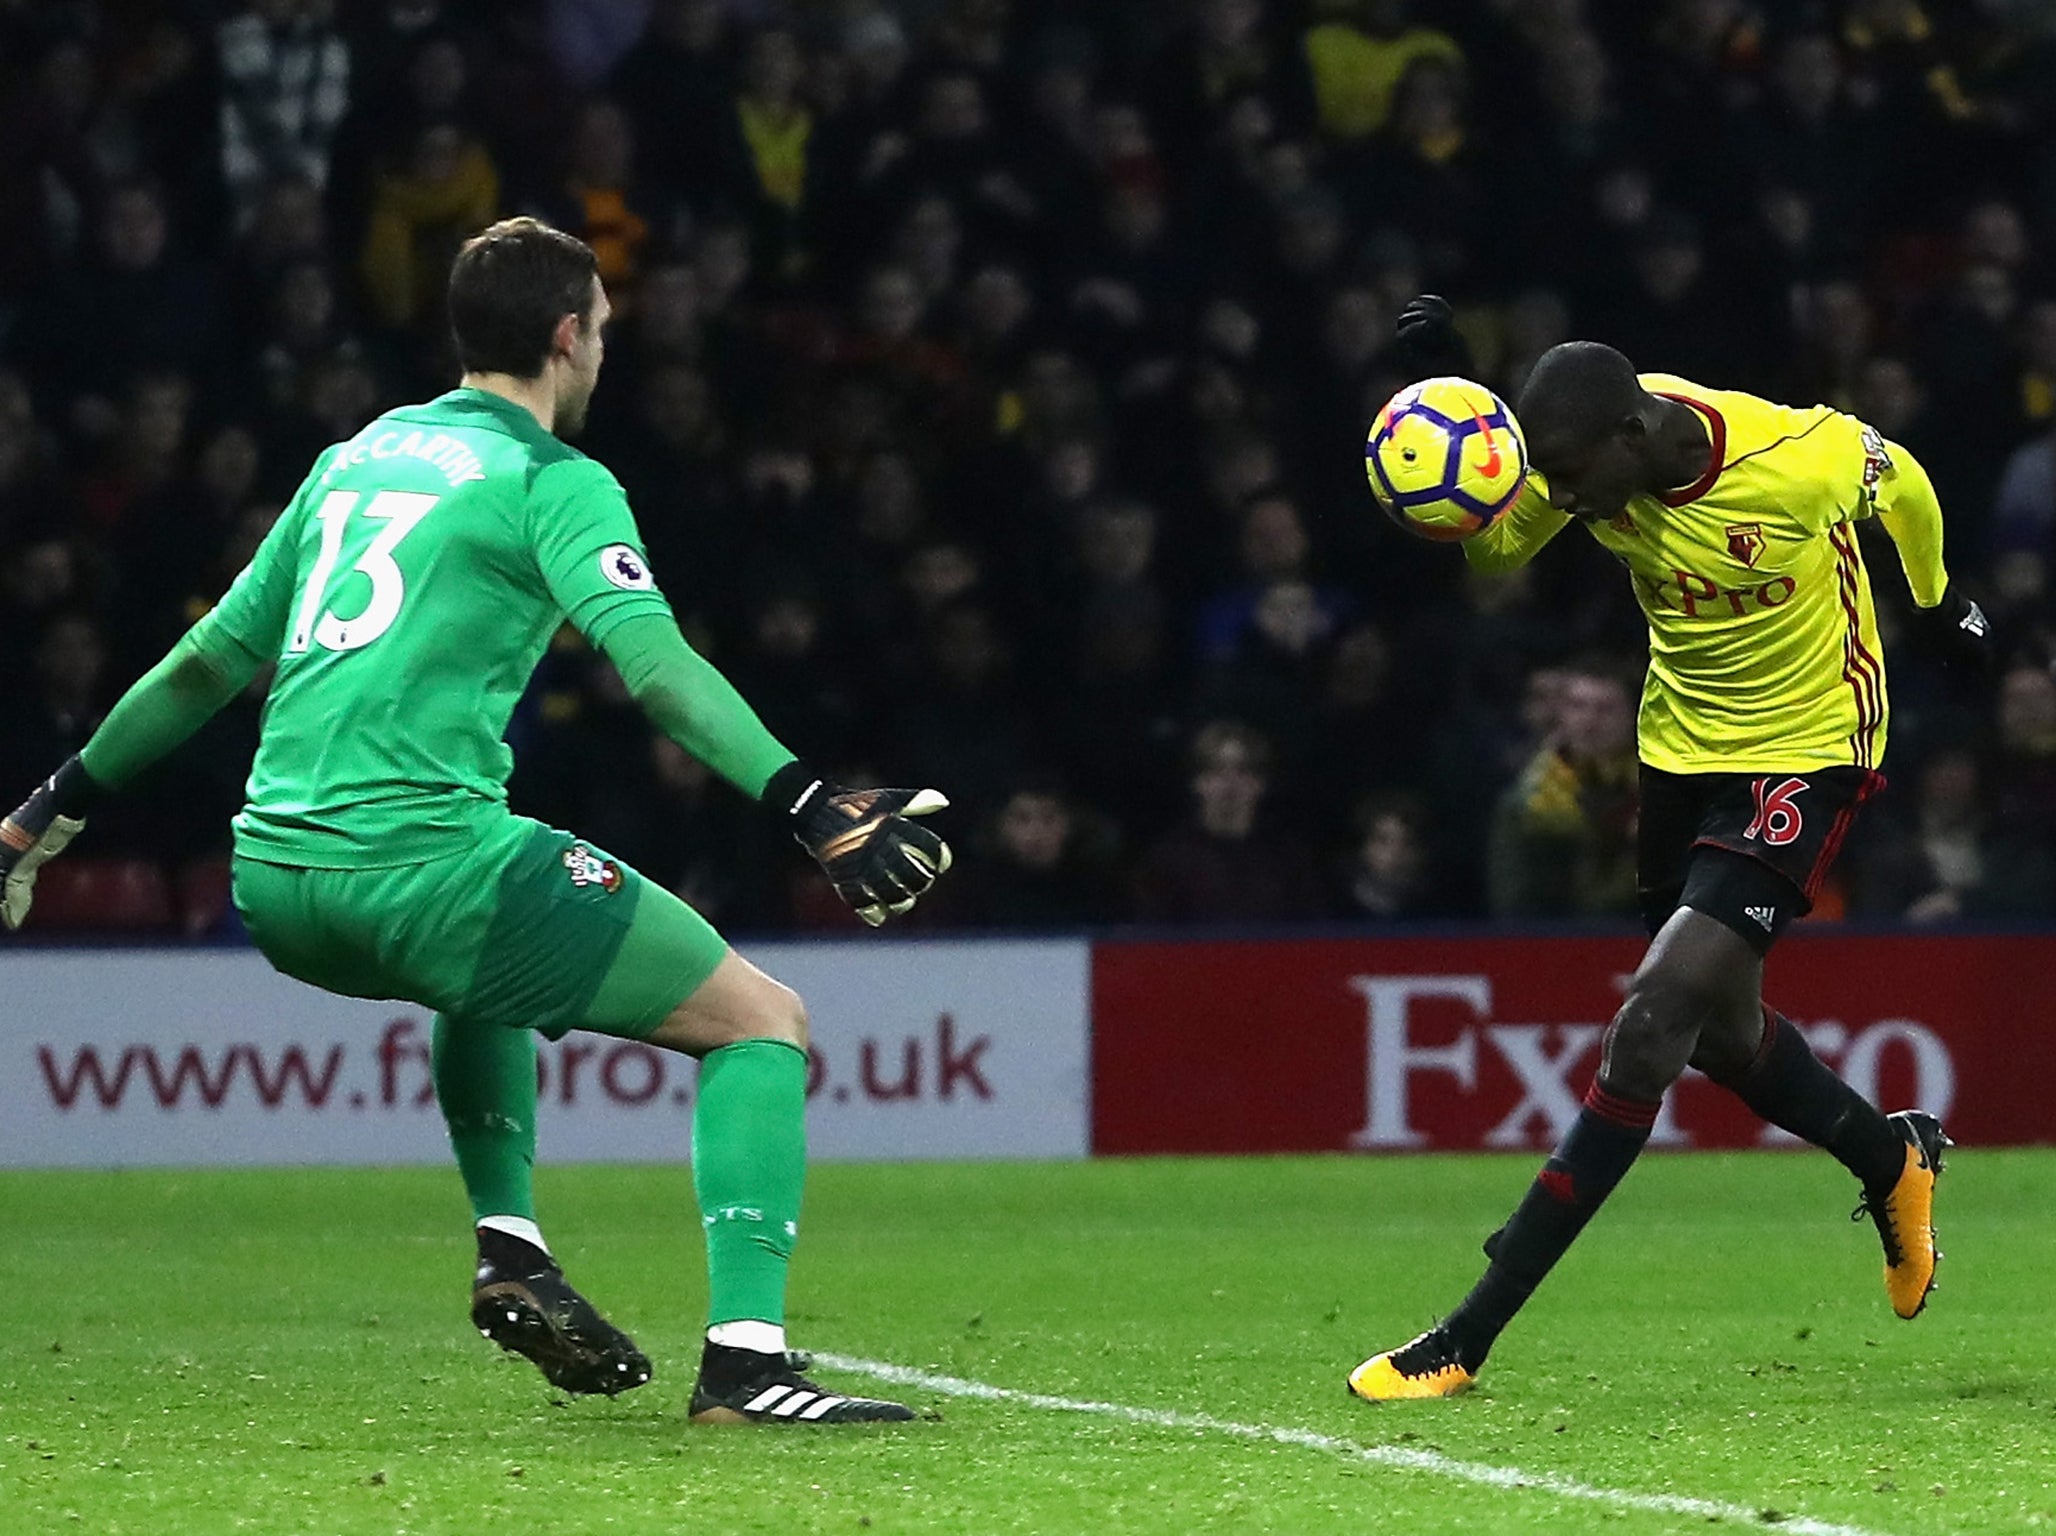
749,1161
485,1082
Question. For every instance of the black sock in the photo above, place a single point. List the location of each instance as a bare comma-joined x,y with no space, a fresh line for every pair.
724,1368
507,1255
1794,1090
1603,1142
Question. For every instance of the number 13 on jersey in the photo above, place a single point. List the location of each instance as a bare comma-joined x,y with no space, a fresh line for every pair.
399,511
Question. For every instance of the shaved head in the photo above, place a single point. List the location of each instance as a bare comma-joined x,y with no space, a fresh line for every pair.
1577,395
1599,439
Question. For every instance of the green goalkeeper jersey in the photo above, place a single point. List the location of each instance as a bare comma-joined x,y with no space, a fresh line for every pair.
407,592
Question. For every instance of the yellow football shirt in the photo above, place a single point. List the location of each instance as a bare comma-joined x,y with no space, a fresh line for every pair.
1763,642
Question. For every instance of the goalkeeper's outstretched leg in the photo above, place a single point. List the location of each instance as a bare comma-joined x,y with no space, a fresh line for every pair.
522,1302
485,1083
537,932
749,1163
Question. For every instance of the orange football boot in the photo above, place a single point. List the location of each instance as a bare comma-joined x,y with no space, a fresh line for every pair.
1427,1367
1904,1213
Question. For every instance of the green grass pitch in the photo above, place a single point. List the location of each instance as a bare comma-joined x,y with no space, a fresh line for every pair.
289,1352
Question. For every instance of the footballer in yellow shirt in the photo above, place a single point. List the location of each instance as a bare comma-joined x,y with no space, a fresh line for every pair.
1762,724
1763,644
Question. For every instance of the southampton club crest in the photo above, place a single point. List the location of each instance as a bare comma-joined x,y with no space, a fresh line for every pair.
589,869
1746,542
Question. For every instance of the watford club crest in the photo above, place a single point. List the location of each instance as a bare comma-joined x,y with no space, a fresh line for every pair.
1745,542
588,869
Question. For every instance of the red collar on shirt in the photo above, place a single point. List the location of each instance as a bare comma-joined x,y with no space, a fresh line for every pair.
1717,429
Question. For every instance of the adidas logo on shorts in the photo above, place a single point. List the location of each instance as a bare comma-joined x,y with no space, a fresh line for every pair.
1767,916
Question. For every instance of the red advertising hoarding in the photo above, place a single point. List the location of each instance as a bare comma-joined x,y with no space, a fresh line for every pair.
1480,1043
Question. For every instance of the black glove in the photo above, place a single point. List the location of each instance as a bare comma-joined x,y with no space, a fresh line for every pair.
878,860
37,832
1960,632
1429,344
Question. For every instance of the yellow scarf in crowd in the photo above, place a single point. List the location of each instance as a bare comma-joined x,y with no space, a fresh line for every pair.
778,145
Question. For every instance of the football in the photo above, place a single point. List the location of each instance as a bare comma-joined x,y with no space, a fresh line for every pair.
1445,457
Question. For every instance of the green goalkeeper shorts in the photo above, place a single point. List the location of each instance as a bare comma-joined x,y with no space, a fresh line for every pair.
530,928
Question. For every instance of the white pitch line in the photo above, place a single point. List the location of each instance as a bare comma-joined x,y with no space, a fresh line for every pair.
1433,1463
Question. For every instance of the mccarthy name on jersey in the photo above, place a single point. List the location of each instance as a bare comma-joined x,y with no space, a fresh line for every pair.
406,594
1763,640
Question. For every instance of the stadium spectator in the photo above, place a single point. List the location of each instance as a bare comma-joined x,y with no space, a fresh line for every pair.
1700,59
957,150
1043,864
66,699
1273,546
996,318
2024,515
669,447
1223,865
600,199
1232,49
285,87
1964,345
663,812
31,493
50,174
1050,332
1112,568
1357,52
1563,834
302,327
182,557
1672,307
139,460
1425,173
1836,328
140,304
965,730
675,86
796,674
1931,866
1536,320
876,46
1111,665
1357,734
1389,878
445,188
2022,795
1582,132
1774,256
402,82
288,224
769,149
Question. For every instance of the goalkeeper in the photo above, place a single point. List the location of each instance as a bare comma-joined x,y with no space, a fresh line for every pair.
405,595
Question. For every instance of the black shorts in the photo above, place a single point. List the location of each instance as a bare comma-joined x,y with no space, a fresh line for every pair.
1747,849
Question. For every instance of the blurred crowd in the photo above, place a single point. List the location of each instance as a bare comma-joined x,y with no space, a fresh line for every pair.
989,378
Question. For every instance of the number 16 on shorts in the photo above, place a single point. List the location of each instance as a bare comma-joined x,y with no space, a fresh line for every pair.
1779,820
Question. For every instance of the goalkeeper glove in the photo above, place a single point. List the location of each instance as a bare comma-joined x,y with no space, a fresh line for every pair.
37,832
1429,344
878,860
1960,632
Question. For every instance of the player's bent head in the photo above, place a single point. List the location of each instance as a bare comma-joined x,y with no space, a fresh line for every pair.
511,287
1586,417
1578,394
